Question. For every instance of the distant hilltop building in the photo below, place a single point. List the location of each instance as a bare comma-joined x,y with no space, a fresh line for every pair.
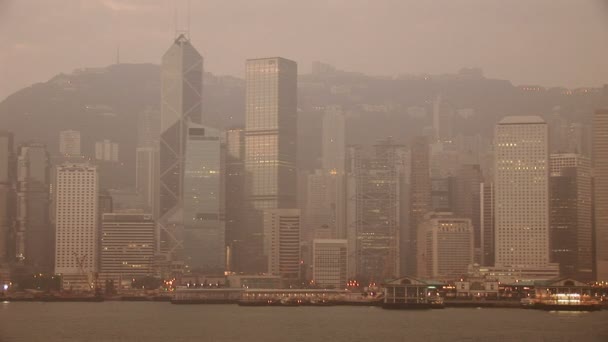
69,143
106,150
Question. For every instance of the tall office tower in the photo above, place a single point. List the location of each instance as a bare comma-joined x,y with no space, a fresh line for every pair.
579,139
487,223
34,236
127,245
330,263
467,200
420,195
7,195
442,120
146,167
521,184
106,150
334,140
600,168
203,234
324,209
374,217
181,103
69,143
571,217
443,191
76,216
270,145
282,242
448,246
148,128
235,192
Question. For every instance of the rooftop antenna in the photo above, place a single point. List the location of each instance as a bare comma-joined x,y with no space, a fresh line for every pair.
118,54
175,19
188,19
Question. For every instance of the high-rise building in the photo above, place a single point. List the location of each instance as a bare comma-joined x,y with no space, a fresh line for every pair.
447,249
127,245
106,150
181,104
487,223
69,143
600,169
203,234
323,206
334,141
34,234
7,195
466,200
521,189
146,168
420,195
571,217
234,198
270,145
330,262
76,217
282,242
374,212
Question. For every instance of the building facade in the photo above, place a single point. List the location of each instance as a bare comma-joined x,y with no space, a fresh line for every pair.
448,248
7,196
282,242
127,245
330,263
420,196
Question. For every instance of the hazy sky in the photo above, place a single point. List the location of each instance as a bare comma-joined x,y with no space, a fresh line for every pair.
547,42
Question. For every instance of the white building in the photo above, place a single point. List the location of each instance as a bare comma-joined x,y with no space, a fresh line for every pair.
69,143
106,150
448,246
521,176
330,262
76,208
282,242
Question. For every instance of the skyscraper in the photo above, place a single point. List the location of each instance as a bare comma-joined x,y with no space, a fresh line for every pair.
334,140
467,200
34,234
69,143
235,193
487,223
571,217
374,212
270,144
522,191
7,195
600,168
203,234
420,195
146,170
76,217
181,103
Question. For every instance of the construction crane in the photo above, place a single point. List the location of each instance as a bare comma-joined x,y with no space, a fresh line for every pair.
80,259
